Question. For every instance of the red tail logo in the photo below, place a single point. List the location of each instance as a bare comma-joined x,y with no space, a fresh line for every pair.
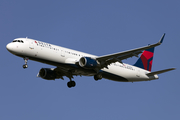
146,59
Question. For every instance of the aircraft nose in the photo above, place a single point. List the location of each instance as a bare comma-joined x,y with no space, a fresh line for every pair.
9,47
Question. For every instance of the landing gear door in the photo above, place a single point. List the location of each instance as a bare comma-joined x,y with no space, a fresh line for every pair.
31,44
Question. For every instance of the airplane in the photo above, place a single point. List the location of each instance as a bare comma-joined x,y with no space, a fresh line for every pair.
69,63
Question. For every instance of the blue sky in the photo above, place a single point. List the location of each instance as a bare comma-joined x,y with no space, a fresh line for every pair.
98,27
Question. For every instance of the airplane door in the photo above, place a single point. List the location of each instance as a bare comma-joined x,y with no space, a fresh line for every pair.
31,44
62,53
138,73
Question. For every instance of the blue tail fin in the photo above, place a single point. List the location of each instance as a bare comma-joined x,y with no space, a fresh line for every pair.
146,59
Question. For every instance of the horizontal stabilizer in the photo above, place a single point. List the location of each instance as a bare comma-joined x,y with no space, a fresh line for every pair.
159,72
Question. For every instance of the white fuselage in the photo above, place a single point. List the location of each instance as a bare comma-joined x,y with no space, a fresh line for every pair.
64,57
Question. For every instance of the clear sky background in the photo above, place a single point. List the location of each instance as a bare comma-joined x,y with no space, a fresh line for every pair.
98,27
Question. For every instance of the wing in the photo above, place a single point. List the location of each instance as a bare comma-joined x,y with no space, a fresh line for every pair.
118,57
159,72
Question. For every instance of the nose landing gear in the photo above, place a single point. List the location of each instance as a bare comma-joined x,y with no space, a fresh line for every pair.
25,65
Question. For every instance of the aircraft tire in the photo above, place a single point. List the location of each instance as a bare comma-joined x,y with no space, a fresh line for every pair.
25,66
71,84
97,77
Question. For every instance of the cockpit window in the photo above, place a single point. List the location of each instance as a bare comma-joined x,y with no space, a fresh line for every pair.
18,41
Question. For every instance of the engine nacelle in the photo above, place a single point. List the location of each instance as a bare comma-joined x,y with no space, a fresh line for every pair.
47,73
88,63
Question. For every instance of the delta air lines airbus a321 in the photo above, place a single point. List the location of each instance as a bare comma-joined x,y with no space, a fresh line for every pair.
71,63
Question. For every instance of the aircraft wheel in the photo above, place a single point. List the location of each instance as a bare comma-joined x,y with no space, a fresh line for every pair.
25,66
95,78
71,84
98,77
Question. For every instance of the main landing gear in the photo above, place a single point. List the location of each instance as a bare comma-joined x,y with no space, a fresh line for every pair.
25,65
98,77
71,84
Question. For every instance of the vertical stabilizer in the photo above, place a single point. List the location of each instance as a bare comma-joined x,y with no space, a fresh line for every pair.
146,59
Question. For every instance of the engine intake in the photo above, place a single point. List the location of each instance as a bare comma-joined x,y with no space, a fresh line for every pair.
88,63
47,73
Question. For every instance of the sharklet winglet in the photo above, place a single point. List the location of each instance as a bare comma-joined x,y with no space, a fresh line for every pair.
162,38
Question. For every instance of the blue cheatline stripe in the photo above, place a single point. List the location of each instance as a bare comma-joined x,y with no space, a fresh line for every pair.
139,62
150,50
149,63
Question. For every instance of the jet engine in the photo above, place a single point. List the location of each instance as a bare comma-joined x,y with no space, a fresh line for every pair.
47,73
88,63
